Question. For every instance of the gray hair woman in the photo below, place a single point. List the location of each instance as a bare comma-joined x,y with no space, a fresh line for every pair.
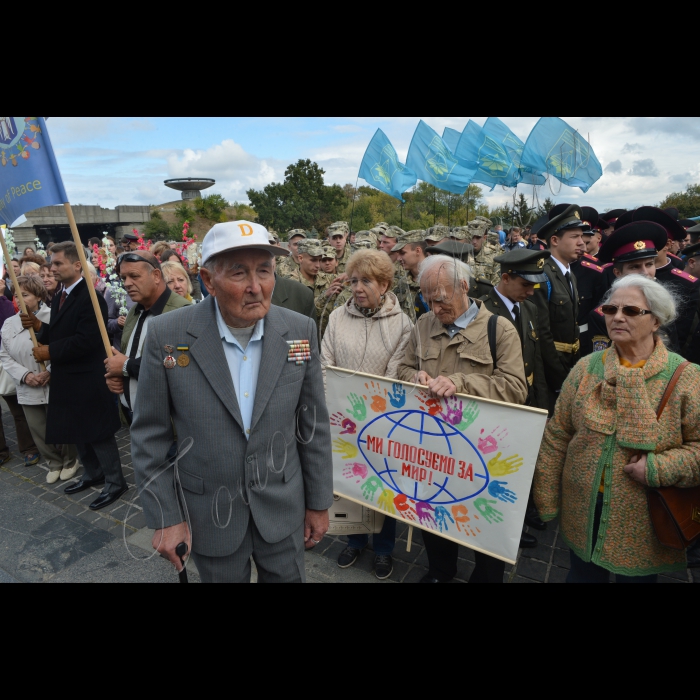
605,447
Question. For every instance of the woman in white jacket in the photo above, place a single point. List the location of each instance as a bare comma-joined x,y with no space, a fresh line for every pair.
32,382
369,334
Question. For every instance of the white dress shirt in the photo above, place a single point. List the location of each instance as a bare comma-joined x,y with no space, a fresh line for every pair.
508,304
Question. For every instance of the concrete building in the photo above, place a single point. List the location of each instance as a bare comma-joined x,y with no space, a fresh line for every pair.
50,224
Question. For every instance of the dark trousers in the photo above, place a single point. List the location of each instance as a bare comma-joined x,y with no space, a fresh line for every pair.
694,556
442,557
101,461
383,542
25,441
582,572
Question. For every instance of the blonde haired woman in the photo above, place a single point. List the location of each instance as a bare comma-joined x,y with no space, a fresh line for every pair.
369,334
178,280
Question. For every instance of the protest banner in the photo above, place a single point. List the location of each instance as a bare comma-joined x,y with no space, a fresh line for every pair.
460,467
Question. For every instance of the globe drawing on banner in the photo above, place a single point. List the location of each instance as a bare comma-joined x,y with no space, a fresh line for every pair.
424,458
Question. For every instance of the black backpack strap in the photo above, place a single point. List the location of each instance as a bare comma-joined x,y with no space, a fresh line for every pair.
493,328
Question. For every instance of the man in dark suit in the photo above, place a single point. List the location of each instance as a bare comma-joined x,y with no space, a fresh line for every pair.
294,296
82,411
557,299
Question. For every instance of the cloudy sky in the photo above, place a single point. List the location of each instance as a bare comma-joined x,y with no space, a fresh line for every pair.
124,160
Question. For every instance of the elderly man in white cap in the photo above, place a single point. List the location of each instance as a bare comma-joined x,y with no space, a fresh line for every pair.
240,383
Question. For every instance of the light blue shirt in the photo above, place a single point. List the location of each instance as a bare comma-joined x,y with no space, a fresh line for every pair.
464,320
244,366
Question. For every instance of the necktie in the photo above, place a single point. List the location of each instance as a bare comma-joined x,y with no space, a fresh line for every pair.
567,277
134,352
64,296
516,314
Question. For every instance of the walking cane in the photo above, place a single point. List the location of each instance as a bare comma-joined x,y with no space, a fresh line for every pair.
181,552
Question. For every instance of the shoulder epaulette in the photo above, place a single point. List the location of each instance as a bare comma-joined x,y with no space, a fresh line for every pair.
684,275
675,257
599,311
605,267
592,258
592,266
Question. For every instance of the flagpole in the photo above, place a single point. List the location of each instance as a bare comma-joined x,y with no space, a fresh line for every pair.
18,292
434,205
90,285
354,197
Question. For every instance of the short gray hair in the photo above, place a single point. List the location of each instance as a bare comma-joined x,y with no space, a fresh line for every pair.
216,263
662,303
454,268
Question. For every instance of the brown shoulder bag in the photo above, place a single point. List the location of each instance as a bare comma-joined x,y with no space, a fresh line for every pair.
675,513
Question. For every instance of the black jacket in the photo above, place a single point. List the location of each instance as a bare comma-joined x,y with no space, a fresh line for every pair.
81,407
294,296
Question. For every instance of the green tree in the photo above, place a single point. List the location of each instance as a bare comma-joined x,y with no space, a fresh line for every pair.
687,203
212,207
157,228
184,212
545,207
303,200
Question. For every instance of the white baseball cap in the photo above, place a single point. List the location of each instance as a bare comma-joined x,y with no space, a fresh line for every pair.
238,235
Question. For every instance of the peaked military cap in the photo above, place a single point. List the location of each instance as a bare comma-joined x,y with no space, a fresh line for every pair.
687,223
673,213
312,248
437,233
673,228
695,229
528,264
537,226
366,237
416,236
639,240
692,251
339,227
330,252
571,218
393,232
461,233
383,226
590,218
479,226
295,233
612,216
453,249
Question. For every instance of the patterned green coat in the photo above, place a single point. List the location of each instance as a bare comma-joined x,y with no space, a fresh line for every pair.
606,415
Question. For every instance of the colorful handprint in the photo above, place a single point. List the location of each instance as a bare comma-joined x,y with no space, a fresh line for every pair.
497,490
441,517
398,396
432,405
503,467
424,512
386,501
469,415
356,471
357,409
461,514
455,409
378,404
340,421
370,488
492,442
491,515
345,449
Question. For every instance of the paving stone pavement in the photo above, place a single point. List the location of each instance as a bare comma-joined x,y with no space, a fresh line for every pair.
46,536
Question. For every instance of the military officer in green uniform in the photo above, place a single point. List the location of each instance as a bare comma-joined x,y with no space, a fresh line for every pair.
329,263
287,266
557,299
338,234
412,249
484,266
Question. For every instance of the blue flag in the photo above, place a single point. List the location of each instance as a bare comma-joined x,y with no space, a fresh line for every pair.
29,175
514,147
451,138
435,163
556,148
381,168
492,163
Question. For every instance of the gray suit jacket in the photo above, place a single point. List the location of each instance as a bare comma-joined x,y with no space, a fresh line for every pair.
285,467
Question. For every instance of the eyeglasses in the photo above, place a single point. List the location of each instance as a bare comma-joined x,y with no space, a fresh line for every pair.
610,310
134,257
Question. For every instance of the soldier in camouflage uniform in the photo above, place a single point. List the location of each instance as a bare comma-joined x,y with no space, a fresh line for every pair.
485,268
411,248
287,266
436,234
329,263
342,248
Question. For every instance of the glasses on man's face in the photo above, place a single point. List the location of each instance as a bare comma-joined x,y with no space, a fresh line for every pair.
631,311
133,258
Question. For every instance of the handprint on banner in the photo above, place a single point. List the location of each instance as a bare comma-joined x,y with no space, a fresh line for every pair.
357,409
504,467
345,449
455,409
490,514
356,471
441,516
491,443
378,404
370,488
398,396
340,421
497,490
433,406
424,512
404,507
461,514
386,501
469,415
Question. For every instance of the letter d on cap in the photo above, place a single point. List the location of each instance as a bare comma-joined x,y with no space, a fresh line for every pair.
246,229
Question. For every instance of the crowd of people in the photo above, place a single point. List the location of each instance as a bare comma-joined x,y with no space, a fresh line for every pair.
586,316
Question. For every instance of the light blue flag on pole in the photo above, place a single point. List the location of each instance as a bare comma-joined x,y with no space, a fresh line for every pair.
29,174
491,160
556,148
435,163
451,138
381,168
514,147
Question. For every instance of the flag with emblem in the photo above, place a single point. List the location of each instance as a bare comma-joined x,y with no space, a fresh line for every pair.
382,169
433,162
514,147
29,174
556,148
451,138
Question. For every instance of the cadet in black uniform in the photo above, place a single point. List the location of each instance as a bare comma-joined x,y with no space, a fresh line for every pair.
557,299
630,250
692,261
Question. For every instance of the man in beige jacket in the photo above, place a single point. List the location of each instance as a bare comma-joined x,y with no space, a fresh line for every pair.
449,353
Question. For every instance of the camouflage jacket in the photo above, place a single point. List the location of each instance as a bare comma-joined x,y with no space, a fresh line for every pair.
343,261
286,266
407,291
485,268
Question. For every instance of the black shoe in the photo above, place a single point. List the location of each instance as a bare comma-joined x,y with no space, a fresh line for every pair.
348,557
383,567
107,499
527,541
5,460
532,519
429,578
82,485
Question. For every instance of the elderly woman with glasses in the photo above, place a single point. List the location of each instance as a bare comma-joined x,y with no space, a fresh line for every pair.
605,448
